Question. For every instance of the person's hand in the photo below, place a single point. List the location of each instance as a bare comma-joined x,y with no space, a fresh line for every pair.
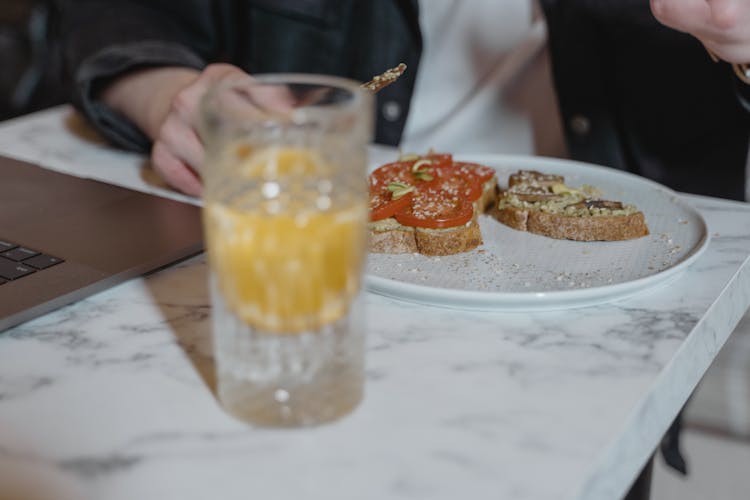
177,154
164,103
722,25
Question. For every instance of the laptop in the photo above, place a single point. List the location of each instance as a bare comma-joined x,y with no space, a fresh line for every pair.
63,238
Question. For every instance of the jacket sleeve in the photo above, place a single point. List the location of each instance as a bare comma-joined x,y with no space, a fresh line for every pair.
104,39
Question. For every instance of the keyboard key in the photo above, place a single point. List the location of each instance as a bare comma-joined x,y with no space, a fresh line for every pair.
42,261
11,270
19,253
6,245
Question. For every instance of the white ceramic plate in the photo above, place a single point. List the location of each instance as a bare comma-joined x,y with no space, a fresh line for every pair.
519,271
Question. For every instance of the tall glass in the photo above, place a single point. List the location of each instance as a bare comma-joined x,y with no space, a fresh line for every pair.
285,215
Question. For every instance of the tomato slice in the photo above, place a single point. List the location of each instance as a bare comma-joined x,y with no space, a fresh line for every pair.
398,171
443,195
402,171
435,209
482,173
457,182
382,204
440,159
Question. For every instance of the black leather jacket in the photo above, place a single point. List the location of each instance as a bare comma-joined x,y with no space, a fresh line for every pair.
351,38
636,95
633,94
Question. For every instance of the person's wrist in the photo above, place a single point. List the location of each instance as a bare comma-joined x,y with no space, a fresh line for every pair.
145,96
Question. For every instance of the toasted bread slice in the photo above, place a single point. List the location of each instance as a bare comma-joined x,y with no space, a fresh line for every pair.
388,236
594,228
542,204
489,196
448,241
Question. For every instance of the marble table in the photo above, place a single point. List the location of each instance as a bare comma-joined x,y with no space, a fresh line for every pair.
112,398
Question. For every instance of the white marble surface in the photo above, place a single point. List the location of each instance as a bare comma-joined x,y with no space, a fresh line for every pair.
111,398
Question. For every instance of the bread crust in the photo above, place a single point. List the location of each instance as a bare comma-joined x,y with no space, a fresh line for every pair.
513,217
426,241
393,240
489,196
456,240
594,228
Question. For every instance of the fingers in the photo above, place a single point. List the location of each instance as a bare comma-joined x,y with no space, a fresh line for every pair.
272,98
697,17
730,37
187,101
179,137
175,171
247,97
683,15
725,14
722,25
267,97
178,153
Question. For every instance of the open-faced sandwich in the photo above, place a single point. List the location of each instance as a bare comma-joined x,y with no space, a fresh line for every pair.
543,204
428,204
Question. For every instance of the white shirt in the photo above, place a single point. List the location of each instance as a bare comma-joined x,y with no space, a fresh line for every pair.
473,50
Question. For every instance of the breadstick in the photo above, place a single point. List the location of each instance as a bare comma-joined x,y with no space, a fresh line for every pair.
381,81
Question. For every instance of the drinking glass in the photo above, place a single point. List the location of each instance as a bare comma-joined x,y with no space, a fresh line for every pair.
285,215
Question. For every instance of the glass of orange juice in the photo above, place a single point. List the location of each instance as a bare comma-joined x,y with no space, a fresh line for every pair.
285,215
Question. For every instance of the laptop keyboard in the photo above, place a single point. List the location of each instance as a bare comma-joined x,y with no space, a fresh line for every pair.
17,261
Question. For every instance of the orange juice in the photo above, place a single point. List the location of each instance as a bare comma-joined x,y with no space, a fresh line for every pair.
287,272
288,255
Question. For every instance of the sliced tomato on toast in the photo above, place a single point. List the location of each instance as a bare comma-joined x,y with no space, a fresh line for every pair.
453,181
435,208
477,171
383,205
398,171
439,159
443,190
403,172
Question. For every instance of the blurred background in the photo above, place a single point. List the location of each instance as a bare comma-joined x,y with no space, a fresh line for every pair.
32,76
716,437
